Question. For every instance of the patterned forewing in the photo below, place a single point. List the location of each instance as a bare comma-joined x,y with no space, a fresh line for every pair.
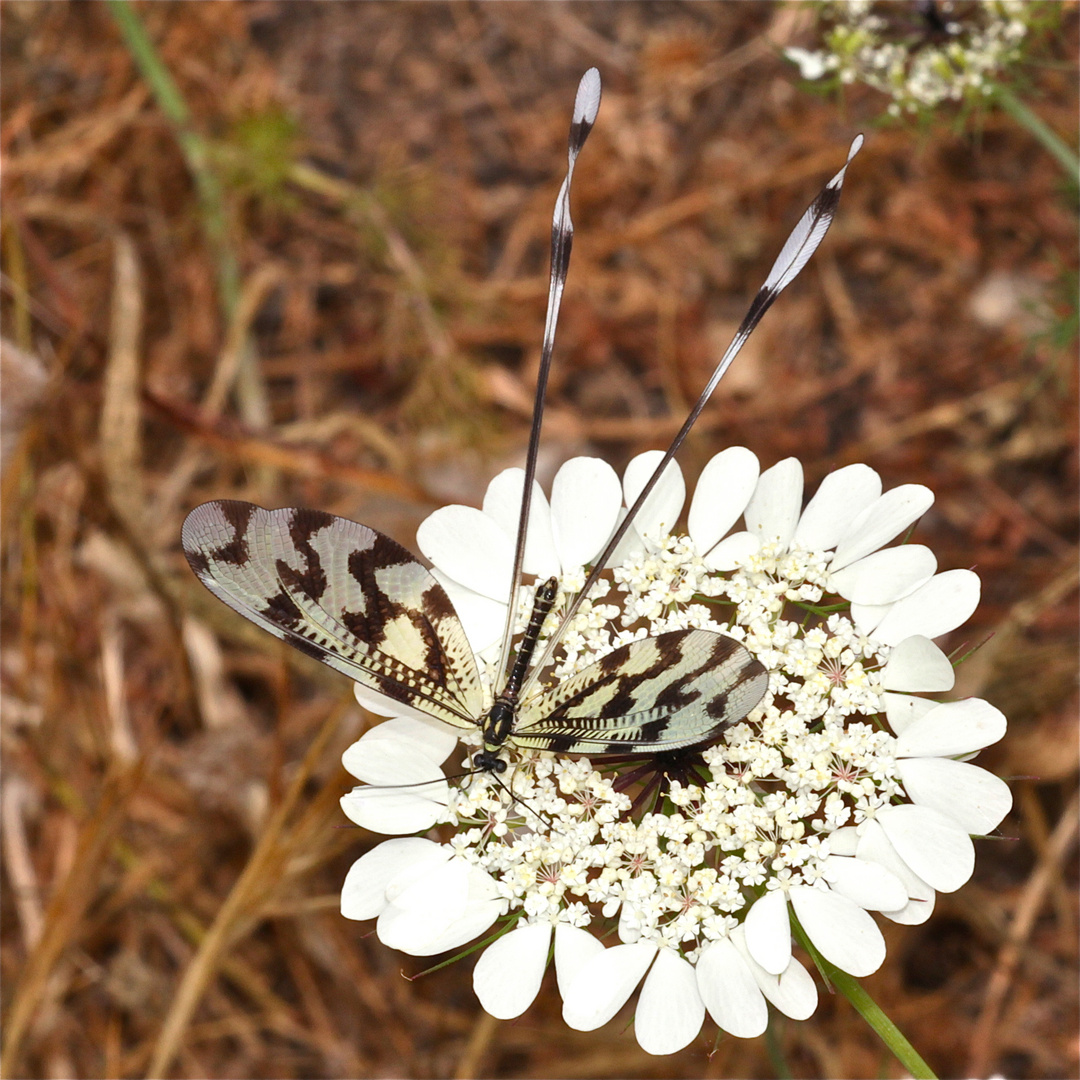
659,693
343,593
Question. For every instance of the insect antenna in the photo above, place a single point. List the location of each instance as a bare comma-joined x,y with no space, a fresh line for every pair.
586,106
799,246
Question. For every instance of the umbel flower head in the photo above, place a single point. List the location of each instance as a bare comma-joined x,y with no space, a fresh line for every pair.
949,55
846,791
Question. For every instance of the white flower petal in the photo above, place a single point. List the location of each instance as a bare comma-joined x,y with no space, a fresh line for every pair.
631,544
918,664
768,931
882,521
507,977
874,847
502,503
841,931
429,928
868,884
670,1011
574,947
732,550
437,891
773,510
722,492
942,604
662,508
380,704
478,917
914,912
470,547
839,499
934,846
729,990
604,983
951,729
844,841
902,711
396,811
812,65
885,576
793,992
415,738
363,894
481,617
390,763
972,797
867,616
585,499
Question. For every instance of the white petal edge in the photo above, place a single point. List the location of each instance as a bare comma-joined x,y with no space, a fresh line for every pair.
721,494
844,841
867,616
426,736
381,705
975,799
951,729
874,847
481,617
363,893
881,522
841,930
470,547
427,928
867,884
396,811
730,992
792,992
773,511
732,551
507,976
945,602
768,931
670,1011
885,576
574,948
398,751
604,984
839,499
902,710
502,503
918,664
936,848
662,508
585,499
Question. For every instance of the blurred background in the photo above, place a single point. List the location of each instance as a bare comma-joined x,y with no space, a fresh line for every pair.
297,253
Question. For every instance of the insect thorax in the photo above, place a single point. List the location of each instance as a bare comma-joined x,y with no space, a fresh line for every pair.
498,725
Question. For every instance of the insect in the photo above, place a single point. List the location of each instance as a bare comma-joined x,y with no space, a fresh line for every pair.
358,601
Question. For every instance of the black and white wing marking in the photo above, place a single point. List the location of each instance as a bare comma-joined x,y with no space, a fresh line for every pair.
343,593
659,693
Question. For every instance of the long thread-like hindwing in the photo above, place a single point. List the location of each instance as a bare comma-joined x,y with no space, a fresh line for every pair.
343,593
659,693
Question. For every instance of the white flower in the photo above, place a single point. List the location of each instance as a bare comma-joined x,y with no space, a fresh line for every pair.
841,794
917,72
812,65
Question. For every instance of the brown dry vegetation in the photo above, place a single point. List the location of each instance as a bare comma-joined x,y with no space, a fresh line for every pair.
171,841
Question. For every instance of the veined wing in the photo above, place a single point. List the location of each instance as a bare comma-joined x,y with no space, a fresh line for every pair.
343,593
659,693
